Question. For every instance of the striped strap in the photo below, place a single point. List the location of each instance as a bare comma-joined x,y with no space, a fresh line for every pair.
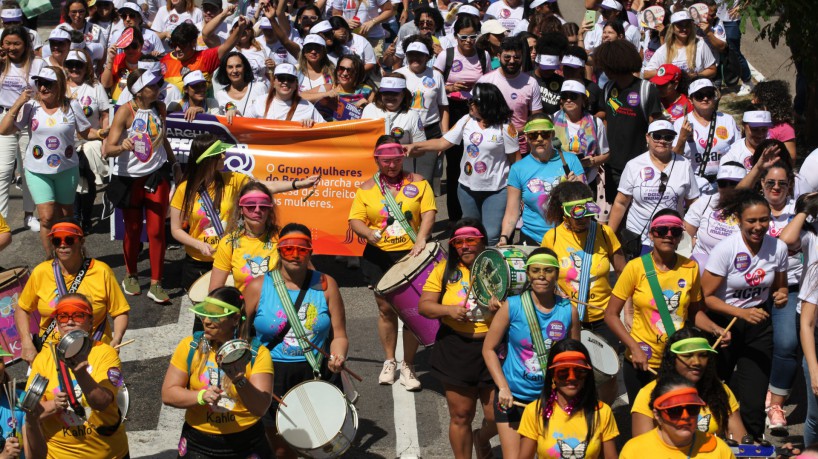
585,270
395,209
210,210
536,330
295,324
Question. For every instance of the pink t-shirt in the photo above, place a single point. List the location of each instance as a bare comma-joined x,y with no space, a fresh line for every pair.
783,132
464,70
522,94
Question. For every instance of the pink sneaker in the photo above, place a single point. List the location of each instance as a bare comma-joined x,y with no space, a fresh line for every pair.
776,417
767,400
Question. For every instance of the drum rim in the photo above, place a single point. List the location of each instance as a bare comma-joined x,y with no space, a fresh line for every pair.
22,269
123,390
86,342
421,267
244,346
614,357
506,266
40,383
230,282
348,404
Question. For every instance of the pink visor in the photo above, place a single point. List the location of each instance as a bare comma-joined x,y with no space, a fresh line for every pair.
467,231
295,239
255,198
667,220
389,149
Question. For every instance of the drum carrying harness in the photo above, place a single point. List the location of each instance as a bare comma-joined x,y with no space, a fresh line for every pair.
585,270
294,322
210,210
536,330
395,209
658,296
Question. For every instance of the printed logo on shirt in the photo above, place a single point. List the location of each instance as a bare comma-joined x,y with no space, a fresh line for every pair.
755,278
748,163
457,66
721,132
54,161
742,261
504,13
455,277
69,151
572,448
50,122
633,98
87,111
52,142
467,169
428,82
173,18
555,86
480,167
139,125
115,376
555,330
513,96
681,283
34,125
472,151
397,132
37,151
703,424
410,191
476,138
647,174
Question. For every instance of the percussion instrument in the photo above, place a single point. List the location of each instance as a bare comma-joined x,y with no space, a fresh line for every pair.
235,350
318,421
499,271
123,402
72,344
402,286
199,289
12,282
757,451
34,393
604,358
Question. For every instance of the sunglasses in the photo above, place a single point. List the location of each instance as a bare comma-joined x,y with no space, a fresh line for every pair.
682,412
534,135
468,37
588,209
215,320
704,94
57,43
285,78
312,49
659,137
426,22
461,242
770,184
255,207
726,183
569,96
74,67
342,69
309,18
570,373
77,317
68,240
130,15
291,251
663,231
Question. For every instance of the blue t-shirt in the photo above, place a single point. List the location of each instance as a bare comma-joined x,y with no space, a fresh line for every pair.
521,367
5,419
270,320
535,180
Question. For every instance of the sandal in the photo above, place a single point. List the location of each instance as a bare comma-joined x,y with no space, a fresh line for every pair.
483,451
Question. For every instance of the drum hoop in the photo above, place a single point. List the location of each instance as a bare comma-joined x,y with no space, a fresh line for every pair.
19,273
339,391
505,266
605,348
432,253
86,343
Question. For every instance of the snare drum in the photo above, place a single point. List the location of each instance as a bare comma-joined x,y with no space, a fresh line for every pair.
34,393
233,351
318,421
201,288
72,344
604,358
402,286
499,271
12,282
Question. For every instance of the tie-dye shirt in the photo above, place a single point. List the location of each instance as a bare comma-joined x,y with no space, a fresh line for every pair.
245,257
454,295
566,434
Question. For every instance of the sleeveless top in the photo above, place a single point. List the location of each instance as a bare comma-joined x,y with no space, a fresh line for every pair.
147,133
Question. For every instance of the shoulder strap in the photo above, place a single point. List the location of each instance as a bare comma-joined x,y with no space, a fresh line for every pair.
708,147
606,91
210,209
658,296
194,344
295,323
449,61
585,269
395,209
481,57
61,291
536,332
644,92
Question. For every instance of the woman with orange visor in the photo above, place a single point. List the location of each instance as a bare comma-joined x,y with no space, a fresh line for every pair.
314,301
568,420
676,405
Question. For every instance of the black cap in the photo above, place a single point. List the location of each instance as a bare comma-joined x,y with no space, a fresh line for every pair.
216,3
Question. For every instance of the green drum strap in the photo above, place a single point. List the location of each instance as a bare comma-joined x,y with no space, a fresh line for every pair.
658,296
295,323
536,332
395,209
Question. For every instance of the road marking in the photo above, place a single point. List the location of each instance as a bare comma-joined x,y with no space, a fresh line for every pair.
406,425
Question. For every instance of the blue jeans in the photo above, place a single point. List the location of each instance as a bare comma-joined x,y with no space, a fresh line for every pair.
785,347
487,206
811,422
733,32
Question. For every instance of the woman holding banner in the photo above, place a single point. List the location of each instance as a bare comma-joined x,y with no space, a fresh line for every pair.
283,101
315,75
391,231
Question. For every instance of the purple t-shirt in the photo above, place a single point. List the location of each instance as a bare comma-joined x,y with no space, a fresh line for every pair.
522,94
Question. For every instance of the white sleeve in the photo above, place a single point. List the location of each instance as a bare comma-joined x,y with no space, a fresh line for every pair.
338,5
693,191
81,121
368,53
510,142
705,57
720,257
781,255
159,23
602,136
657,59
440,61
455,134
102,97
536,101
491,11
809,284
626,181
694,214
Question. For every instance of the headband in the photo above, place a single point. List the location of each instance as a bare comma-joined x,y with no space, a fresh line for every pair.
539,125
467,231
678,397
72,304
389,149
216,149
255,198
543,259
295,239
570,358
227,308
691,345
66,227
667,220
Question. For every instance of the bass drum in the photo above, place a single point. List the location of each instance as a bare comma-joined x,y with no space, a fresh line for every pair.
199,290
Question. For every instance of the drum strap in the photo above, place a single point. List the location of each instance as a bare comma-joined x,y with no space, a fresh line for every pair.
64,378
658,296
536,331
395,209
585,270
292,319
61,291
210,210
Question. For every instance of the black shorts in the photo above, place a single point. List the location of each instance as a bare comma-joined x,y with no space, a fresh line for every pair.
376,262
195,444
458,361
192,270
290,374
511,415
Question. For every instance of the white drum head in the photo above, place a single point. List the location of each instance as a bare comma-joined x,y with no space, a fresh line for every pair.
405,269
123,401
199,290
603,357
314,414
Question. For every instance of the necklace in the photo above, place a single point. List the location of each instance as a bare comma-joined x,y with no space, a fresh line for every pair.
395,183
548,410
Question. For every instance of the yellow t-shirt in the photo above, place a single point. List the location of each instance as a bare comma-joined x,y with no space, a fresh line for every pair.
67,434
680,286
4,227
246,257
650,445
414,199
566,434
570,247
197,224
229,415
456,288
99,285
706,422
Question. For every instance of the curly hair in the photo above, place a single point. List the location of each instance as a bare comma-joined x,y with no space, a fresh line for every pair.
734,202
774,96
564,192
618,57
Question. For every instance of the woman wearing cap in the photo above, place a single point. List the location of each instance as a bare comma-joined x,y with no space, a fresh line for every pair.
175,12
131,15
223,403
76,16
675,406
367,19
260,57
705,134
82,420
119,65
689,354
684,49
393,104
59,43
314,298
485,163
675,103
655,180
745,270
538,7
491,37
456,359
51,165
237,91
194,97
392,230
283,102
52,279
520,377
568,420
755,127
316,75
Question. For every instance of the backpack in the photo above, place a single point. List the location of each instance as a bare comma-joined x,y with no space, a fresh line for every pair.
481,56
197,338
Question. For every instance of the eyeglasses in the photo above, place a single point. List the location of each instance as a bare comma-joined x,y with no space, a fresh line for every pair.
68,240
663,231
77,317
215,320
704,94
309,18
570,373
534,135
468,37
342,69
461,242
537,270
569,95
57,44
682,412
312,49
73,67
726,183
659,137
510,57
770,184
391,161
291,251
426,22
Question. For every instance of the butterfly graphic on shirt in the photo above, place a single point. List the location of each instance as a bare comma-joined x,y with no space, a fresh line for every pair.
703,424
258,268
673,302
567,452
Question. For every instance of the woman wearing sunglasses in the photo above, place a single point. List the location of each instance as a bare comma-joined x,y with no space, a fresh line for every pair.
393,104
568,420
391,232
194,97
316,75
675,405
352,87
457,356
97,283
82,420
118,65
223,403
283,102
519,378
689,354
175,12
743,272
315,299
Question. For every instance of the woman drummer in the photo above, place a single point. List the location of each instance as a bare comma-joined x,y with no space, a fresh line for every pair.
21,433
222,403
456,358
520,377
392,230
71,271
82,420
315,300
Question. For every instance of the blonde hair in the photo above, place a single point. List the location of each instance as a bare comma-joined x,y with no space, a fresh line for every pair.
189,5
327,68
28,56
671,43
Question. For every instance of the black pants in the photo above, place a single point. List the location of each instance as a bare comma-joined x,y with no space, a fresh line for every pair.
612,177
196,444
635,380
192,270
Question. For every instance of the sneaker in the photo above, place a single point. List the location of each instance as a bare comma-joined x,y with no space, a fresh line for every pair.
131,285
158,295
767,400
387,375
32,223
745,89
776,418
408,378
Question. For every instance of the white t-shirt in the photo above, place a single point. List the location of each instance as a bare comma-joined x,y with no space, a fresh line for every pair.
747,278
574,144
428,93
279,110
255,92
641,181
364,10
279,53
359,45
257,59
404,126
93,100
739,153
712,225
725,135
777,224
51,149
152,41
485,165
167,21
222,32
16,80
810,180
704,58
305,83
594,38
809,290
509,17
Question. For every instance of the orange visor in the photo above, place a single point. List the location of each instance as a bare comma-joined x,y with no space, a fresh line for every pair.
67,229
570,358
678,397
295,239
71,305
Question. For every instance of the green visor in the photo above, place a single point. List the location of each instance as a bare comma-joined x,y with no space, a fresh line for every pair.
214,308
5,353
216,149
691,345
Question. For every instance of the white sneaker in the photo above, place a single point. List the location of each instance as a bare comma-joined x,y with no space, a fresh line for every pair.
408,378
387,375
745,89
32,223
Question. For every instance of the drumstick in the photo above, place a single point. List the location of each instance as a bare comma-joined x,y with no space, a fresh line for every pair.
721,337
124,344
569,298
278,399
324,353
520,404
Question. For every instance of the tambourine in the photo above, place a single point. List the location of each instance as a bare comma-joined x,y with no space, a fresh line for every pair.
232,352
34,393
74,343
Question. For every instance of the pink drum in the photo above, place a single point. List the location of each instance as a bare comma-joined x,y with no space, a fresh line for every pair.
12,282
402,286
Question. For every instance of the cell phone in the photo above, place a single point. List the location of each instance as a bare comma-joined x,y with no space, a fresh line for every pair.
590,16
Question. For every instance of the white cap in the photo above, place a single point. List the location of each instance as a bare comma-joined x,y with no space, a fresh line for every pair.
59,34
493,26
757,118
661,125
698,85
193,77
468,9
680,16
573,86
321,27
417,47
572,61
46,74
547,62
537,3
611,5
313,39
75,55
285,69
12,15
264,23
147,78
133,7
734,172
150,66
392,84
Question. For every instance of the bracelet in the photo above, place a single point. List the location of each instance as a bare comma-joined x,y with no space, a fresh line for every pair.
507,238
294,187
240,382
200,397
